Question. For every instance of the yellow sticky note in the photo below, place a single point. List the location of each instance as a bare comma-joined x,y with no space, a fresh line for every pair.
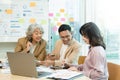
59,23
71,19
9,11
32,4
62,10
32,20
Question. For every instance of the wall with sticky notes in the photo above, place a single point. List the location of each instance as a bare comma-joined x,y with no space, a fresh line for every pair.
64,12
17,15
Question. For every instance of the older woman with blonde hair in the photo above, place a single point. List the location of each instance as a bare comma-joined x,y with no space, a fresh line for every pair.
33,42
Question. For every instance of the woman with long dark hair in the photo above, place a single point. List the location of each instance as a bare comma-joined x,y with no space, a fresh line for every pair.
95,64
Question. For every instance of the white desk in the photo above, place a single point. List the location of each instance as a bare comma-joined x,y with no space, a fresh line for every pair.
8,76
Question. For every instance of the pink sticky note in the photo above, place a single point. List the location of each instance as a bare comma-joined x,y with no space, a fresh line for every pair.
55,29
50,14
62,19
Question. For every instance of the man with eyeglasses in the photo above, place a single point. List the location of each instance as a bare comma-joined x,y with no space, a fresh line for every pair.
66,50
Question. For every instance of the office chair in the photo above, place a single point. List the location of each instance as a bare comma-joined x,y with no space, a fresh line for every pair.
114,71
81,59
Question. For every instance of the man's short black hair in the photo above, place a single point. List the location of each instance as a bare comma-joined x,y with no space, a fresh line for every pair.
64,27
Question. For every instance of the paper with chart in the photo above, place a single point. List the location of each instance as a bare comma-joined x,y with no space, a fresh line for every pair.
64,74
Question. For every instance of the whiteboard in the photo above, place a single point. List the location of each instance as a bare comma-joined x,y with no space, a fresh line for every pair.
17,15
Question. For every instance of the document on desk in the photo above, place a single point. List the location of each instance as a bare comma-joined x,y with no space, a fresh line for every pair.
44,69
64,74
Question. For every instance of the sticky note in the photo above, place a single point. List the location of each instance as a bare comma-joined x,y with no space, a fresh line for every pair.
9,11
51,24
32,20
43,22
21,20
59,23
62,19
32,4
55,28
62,10
71,19
57,14
50,14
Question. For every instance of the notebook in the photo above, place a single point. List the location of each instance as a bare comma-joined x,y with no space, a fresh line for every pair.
24,64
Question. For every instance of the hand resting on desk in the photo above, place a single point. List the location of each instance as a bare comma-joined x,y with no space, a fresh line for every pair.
73,68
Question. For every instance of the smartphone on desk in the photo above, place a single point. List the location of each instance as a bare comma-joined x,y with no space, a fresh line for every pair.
56,67
60,67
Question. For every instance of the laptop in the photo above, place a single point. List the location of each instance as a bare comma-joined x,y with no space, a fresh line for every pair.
24,64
